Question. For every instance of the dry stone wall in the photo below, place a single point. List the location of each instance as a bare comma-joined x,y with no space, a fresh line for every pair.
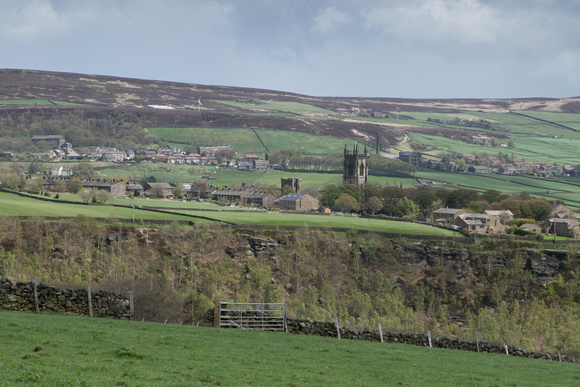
20,296
328,329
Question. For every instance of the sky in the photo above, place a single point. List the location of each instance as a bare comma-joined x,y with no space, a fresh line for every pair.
365,48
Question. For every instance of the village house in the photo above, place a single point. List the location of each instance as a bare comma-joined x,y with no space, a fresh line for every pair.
446,216
531,227
297,202
480,223
506,216
158,189
57,139
479,169
559,210
564,227
60,171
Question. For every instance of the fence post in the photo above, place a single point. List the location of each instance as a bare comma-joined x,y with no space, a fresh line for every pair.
477,342
90,301
35,296
429,336
131,303
337,328
381,332
216,314
506,349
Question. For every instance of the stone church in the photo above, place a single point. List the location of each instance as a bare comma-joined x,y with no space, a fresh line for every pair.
356,167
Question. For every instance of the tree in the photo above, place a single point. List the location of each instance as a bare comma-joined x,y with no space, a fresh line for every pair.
86,195
346,203
74,185
103,196
178,191
406,207
490,195
373,205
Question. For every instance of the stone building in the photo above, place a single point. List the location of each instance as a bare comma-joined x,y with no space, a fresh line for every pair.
356,167
293,183
297,202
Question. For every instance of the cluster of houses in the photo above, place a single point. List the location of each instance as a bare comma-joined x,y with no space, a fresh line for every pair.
492,164
247,195
563,221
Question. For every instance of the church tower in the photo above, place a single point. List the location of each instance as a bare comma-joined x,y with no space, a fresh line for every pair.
356,167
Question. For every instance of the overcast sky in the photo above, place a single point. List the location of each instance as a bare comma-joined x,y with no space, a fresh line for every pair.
367,48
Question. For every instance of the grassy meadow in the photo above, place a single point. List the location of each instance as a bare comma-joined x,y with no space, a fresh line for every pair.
12,204
51,349
245,140
290,107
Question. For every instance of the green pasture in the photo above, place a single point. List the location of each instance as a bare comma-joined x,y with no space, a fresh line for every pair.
444,144
524,126
566,119
34,102
548,149
12,204
339,221
442,116
291,107
51,349
503,183
16,205
245,140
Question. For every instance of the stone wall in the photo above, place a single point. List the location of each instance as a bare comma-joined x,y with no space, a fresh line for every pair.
20,296
328,329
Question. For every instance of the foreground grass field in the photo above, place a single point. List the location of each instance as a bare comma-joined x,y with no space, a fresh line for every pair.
72,350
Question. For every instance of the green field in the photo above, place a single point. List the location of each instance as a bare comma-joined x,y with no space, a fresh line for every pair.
72,350
12,204
291,107
245,140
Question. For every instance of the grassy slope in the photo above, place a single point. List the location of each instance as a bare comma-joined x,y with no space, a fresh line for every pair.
82,351
246,141
11,204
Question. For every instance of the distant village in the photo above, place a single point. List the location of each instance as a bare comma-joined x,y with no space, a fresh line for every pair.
562,222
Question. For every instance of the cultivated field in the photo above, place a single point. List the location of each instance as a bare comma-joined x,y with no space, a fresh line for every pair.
72,350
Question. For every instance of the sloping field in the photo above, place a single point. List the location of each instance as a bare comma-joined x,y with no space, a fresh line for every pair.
247,141
72,350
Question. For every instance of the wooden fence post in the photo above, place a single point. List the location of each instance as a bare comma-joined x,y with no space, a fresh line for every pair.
216,314
506,349
429,336
337,328
90,301
381,332
477,342
35,296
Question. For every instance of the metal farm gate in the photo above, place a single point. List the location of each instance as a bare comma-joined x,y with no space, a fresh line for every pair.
251,316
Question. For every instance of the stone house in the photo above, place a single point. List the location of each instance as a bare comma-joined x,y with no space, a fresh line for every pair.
479,169
480,223
532,227
564,227
297,202
161,189
446,216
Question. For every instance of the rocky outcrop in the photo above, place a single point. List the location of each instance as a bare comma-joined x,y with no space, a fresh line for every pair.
544,270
